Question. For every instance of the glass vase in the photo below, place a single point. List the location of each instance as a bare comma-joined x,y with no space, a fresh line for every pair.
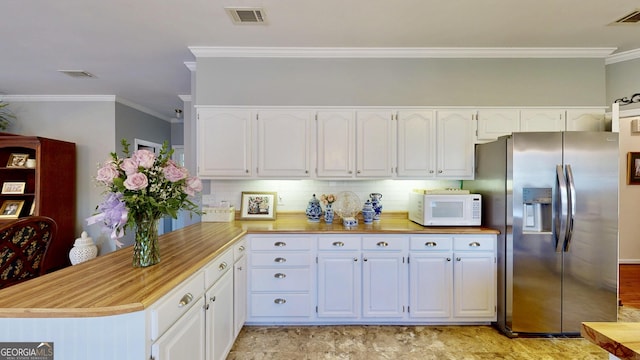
146,251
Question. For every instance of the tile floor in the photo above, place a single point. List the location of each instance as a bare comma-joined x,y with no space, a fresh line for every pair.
408,342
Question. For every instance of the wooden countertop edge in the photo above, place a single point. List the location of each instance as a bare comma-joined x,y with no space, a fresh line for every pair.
608,335
240,229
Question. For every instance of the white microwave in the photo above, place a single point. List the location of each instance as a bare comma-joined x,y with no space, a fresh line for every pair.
445,210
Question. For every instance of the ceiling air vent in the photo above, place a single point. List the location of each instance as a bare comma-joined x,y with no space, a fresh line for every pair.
631,18
245,15
77,73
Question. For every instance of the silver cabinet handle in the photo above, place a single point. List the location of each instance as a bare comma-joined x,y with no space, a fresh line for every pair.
280,260
365,259
431,244
222,266
186,299
338,244
212,299
382,244
448,259
280,244
280,276
241,248
439,171
355,259
474,244
279,301
458,259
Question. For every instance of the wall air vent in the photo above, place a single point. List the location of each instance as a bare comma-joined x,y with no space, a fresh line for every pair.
77,73
631,18
246,15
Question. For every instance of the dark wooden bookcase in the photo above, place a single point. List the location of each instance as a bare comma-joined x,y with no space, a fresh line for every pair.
49,188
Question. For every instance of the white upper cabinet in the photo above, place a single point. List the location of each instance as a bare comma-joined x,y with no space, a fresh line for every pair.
284,143
416,144
224,143
336,143
454,144
542,120
374,143
493,123
585,120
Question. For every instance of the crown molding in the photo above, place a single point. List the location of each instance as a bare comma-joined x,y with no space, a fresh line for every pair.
329,52
142,109
191,65
17,98
623,56
185,98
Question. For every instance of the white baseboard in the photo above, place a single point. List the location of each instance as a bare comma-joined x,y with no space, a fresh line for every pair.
628,261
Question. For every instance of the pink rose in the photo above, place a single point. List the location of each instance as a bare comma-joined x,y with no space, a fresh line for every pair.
136,181
107,172
192,186
129,165
173,172
144,158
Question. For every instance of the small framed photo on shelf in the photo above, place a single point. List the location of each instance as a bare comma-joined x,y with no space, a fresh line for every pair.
13,187
258,205
17,160
633,168
11,209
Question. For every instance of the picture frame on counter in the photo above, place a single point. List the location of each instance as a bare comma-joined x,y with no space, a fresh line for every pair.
10,209
633,168
258,205
11,187
17,160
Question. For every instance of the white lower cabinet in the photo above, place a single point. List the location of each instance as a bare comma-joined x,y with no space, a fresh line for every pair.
339,277
384,277
185,339
219,318
430,277
240,287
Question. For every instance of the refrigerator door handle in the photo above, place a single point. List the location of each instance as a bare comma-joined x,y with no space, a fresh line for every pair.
561,211
571,194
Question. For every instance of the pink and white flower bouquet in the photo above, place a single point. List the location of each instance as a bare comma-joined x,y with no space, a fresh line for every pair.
141,187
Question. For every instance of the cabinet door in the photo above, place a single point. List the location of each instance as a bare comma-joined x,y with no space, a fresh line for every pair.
383,284
474,285
585,120
219,318
284,139
431,285
224,143
416,144
455,145
542,120
339,284
495,123
374,144
336,144
185,339
240,291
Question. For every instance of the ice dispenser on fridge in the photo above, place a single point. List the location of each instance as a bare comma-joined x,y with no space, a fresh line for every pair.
537,210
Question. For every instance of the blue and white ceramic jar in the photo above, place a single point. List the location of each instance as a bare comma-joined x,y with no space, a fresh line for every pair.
328,214
314,211
368,212
376,199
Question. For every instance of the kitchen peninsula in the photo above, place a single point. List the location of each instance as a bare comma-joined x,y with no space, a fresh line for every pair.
111,310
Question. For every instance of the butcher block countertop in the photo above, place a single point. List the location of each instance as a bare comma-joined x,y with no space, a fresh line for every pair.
621,339
109,285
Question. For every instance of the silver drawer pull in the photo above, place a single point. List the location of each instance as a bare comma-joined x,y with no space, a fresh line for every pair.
186,299
338,244
382,244
279,301
241,248
474,244
280,260
448,259
430,244
222,266
458,259
280,276
280,244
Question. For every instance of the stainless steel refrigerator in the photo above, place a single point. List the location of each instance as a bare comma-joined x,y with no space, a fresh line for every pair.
554,198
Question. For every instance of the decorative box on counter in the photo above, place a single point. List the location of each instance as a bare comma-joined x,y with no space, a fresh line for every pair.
218,214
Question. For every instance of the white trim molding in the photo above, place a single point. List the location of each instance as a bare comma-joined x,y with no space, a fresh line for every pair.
330,52
623,56
17,98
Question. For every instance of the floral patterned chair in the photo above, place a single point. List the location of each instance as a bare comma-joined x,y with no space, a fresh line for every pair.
23,247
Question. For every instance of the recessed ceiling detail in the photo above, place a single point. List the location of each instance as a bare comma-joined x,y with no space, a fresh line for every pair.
246,15
77,73
631,18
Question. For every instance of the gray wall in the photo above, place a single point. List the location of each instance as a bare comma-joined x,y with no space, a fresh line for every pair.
623,80
133,124
383,82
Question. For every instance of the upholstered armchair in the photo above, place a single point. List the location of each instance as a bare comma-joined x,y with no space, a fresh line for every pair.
23,248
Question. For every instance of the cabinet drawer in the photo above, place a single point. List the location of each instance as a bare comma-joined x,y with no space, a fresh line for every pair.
280,259
339,243
430,243
173,305
218,267
239,249
280,305
473,243
383,243
281,243
280,279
